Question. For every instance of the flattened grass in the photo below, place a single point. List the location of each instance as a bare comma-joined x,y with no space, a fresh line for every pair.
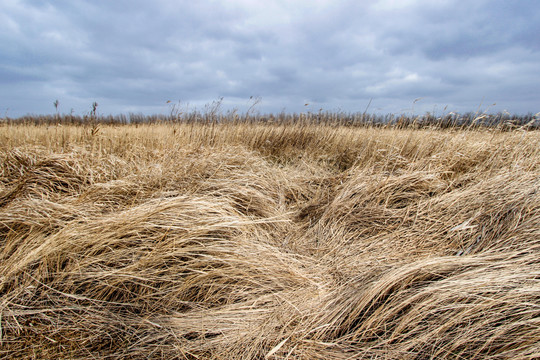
198,241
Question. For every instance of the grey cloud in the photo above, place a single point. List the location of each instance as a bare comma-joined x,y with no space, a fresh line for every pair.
465,30
136,55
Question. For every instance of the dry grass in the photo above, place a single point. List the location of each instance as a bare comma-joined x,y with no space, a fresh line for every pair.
250,241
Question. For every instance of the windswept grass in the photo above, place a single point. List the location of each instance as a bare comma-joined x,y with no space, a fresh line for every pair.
253,241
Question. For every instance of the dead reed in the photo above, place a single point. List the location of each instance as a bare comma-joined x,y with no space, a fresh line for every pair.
252,241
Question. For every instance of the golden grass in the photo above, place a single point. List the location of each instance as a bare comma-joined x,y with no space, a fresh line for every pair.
252,241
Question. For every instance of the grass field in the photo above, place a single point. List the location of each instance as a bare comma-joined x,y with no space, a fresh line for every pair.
254,241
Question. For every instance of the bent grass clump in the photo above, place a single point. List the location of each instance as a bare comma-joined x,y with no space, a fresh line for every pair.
252,241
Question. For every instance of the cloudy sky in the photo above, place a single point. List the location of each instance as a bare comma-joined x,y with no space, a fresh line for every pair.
133,56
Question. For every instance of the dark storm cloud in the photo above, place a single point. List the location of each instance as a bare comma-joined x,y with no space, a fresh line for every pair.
136,55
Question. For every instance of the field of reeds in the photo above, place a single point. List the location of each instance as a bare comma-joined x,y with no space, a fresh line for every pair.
269,241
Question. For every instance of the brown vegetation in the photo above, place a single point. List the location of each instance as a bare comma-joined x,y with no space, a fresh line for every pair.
253,241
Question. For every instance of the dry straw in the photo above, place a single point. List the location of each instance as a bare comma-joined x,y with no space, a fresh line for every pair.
251,241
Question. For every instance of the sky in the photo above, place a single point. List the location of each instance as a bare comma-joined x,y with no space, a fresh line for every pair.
387,56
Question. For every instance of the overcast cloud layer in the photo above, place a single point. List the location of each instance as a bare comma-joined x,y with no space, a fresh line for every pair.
133,56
